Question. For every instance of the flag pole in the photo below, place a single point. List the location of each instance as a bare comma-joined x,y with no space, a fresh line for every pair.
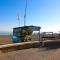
18,17
25,14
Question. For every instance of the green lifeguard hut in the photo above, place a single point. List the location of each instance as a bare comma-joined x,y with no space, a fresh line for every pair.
18,32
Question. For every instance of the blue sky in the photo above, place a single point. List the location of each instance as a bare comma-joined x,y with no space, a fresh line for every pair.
44,13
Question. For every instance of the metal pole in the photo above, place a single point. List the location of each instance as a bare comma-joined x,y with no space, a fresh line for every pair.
18,17
19,23
39,35
39,39
25,14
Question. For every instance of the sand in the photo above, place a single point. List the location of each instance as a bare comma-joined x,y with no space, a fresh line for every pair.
32,54
5,39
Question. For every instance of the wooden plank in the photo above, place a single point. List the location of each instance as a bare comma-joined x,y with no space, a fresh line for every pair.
17,44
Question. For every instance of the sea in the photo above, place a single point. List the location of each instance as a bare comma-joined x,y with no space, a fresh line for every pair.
5,33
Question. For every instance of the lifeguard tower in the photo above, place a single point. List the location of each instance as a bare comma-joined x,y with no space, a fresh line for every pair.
18,31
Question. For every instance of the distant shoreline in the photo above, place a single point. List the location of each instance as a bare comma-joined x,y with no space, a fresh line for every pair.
5,33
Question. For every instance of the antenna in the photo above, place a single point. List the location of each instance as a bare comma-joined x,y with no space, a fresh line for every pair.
18,18
25,14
